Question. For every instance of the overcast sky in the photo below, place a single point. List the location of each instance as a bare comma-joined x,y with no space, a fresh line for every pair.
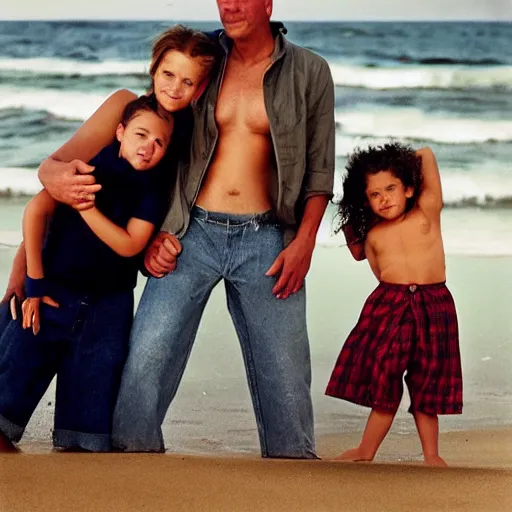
283,9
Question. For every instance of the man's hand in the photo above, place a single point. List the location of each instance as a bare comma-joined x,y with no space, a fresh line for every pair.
292,265
69,182
30,310
162,253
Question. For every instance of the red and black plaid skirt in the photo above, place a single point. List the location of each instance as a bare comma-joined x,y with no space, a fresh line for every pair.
403,329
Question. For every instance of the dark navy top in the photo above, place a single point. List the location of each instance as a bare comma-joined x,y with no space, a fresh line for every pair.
74,257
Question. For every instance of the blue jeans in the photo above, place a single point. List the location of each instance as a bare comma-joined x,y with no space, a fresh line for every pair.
272,334
84,342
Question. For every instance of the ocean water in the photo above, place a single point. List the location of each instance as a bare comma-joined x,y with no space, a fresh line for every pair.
447,85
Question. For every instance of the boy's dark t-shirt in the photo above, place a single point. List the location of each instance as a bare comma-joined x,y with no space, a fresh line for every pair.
74,257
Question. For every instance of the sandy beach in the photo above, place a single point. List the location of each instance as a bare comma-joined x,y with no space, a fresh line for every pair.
127,482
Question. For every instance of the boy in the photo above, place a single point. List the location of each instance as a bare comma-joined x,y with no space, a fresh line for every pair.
77,317
391,213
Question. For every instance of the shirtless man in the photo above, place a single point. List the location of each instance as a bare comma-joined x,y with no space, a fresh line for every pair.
391,207
260,177
245,209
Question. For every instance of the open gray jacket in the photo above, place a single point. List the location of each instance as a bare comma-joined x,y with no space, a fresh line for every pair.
299,100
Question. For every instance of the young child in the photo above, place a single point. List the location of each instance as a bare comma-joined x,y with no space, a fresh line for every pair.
390,214
80,289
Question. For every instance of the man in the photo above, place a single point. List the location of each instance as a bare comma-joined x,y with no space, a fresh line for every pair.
260,175
264,142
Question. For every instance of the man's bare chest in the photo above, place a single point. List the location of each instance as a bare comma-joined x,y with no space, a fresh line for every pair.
241,100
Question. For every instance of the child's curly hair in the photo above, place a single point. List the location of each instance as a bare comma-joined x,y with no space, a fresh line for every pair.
354,210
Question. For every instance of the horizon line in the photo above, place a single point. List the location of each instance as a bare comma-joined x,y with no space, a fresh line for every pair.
292,20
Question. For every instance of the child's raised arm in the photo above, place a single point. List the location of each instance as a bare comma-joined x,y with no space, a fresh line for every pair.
431,197
125,242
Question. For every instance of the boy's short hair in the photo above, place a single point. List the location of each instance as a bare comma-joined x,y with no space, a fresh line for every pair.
400,159
143,104
185,40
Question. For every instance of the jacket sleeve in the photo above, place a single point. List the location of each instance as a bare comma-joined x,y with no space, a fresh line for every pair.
320,157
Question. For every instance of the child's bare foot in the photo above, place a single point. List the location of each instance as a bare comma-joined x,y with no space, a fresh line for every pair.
435,460
354,455
7,446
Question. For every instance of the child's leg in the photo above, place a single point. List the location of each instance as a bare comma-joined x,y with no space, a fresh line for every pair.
434,375
377,427
27,366
428,430
89,377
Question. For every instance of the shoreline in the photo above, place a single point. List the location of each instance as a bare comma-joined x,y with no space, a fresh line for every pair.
468,231
489,448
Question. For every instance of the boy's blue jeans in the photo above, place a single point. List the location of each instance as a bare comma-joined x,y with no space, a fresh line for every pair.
272,333
84,342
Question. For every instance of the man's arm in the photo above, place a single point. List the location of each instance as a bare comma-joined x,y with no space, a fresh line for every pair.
125,242
64,173
294,261
431,197
320,129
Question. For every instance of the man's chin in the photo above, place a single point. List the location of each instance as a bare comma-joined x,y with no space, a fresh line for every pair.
236,31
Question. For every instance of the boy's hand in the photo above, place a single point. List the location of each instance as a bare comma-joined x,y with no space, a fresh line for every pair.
70,182
30,310
161,255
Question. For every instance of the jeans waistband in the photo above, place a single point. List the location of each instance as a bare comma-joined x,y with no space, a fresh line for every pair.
233,219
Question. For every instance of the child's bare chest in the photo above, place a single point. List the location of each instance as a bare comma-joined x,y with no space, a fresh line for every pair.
414,234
